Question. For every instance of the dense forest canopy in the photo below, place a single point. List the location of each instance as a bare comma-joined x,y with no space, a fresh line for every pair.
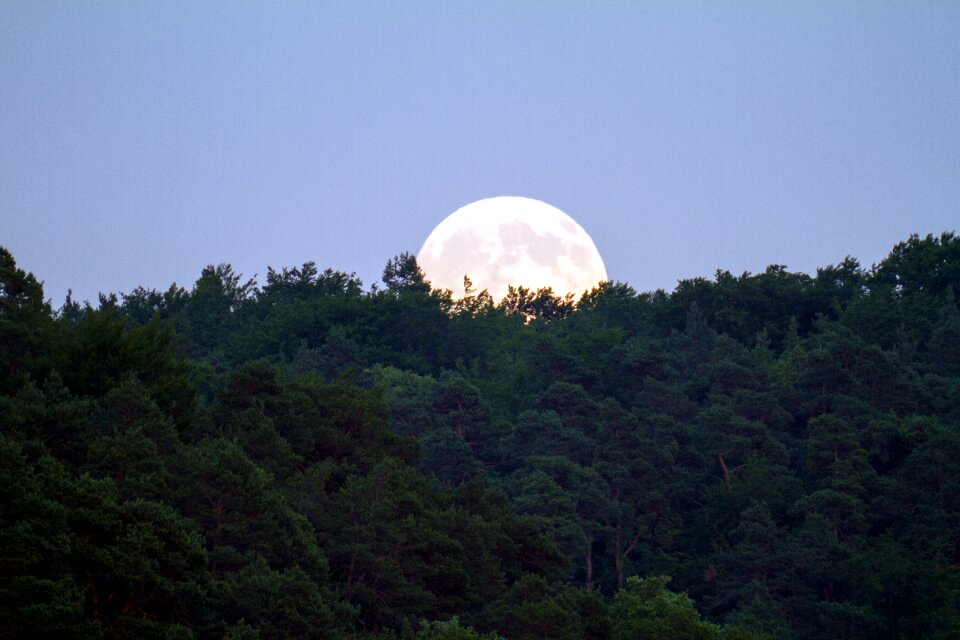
771,455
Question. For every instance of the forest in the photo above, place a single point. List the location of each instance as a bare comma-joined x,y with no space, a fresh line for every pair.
747,457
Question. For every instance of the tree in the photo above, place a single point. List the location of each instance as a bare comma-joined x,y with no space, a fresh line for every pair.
387,547
37,587
25,324
143,305
569,501
836,458
241,513
944,346
541,304
473,303
451,630
283,604
313,459
403,275
105,350
646,610
534,609
51,418
447,457
213,307
635,487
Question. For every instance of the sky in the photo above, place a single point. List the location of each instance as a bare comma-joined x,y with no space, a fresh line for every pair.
142,141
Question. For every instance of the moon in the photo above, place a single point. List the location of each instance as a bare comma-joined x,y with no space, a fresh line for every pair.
511,240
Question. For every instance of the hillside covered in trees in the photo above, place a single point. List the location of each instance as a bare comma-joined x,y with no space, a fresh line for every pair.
772,455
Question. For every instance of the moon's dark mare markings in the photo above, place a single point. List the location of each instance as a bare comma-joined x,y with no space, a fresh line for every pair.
511,240
462,243
579,254
544,249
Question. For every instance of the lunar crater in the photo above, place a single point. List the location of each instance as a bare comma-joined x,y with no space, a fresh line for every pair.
510,240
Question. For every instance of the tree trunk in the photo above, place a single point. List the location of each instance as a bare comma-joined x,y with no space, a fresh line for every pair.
617,557
588,562
620,554
726,471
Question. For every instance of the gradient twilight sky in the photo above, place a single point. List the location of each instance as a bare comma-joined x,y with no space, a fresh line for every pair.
141,141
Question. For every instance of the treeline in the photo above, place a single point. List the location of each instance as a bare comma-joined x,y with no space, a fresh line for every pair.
773,455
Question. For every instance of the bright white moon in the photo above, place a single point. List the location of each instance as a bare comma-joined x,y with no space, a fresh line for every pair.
509,240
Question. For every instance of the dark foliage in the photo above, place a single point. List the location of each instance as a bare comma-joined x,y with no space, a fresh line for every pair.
308,459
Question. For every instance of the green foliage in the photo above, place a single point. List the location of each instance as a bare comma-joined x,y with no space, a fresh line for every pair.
403,274
451,630
533,608
646,610
309,459
25,325
36,590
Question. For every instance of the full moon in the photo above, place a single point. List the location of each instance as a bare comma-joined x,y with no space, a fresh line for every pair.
511,240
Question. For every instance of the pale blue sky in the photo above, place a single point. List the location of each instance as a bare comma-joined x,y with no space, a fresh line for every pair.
140,141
